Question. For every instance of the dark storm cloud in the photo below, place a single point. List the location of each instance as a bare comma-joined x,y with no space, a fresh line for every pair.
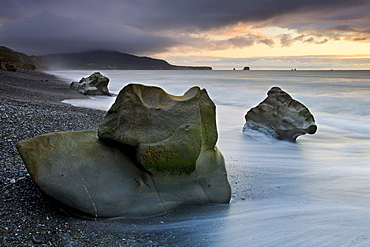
46,33
140,27
215,13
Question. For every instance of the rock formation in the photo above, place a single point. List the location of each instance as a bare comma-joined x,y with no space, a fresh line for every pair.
246,68
95,84
155,152
280,116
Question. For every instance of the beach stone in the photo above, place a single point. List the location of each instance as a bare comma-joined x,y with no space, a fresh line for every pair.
82,172
168,159
174,139
280,116
95,84
169,132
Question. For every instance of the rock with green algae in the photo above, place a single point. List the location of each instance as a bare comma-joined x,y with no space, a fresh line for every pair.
104,178
280,116
168,131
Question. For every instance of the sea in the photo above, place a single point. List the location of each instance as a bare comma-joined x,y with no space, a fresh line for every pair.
315,192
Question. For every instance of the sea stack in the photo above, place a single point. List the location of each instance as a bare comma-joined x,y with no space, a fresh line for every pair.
280,116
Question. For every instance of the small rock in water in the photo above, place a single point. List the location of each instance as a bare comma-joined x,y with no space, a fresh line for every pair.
95,84
280,116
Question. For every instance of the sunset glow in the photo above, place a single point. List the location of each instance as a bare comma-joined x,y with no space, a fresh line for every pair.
305,51
225,35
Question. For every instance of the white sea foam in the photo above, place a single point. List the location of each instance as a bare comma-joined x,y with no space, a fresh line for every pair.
315,192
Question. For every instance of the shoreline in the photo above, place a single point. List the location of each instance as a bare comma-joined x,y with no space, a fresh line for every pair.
30,105
35,86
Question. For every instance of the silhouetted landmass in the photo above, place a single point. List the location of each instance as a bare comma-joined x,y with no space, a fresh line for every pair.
106,60
93,60
12,61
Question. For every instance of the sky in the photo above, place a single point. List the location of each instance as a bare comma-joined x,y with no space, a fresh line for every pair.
223,34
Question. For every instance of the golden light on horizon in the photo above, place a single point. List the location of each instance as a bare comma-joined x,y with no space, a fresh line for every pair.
223,44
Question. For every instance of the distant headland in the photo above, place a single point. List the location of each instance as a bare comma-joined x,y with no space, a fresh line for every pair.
93,60
12,61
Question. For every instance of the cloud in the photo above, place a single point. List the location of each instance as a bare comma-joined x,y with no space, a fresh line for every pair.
47,33
287,40
149,27
349,22
208,14
249,40
209,43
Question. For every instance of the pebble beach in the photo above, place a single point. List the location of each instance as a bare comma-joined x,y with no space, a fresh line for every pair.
313,192
30,106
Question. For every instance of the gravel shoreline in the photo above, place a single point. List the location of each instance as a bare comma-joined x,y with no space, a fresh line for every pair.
30,106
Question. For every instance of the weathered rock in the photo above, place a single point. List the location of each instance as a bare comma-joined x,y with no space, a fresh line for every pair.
153,171
168,131
280,116
80,171
95,84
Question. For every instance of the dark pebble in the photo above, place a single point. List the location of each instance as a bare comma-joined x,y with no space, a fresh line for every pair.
37,239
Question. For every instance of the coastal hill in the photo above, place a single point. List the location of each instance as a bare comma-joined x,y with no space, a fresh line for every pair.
105,60
12,60
93,60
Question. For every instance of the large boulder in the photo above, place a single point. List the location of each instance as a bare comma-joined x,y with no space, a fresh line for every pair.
168,131
97,179
280,116
156,152
174,139
95,84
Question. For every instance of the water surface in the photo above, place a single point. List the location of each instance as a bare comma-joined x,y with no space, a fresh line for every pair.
315,192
